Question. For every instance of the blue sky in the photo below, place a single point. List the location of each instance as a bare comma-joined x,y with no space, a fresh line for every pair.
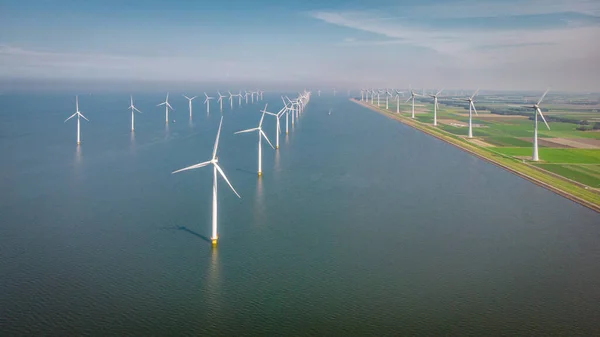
506,44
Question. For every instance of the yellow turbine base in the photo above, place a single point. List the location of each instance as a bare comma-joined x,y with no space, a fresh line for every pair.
276,146
213,241
78,143
259,174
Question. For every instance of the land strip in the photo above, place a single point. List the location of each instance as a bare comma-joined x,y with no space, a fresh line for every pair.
564,187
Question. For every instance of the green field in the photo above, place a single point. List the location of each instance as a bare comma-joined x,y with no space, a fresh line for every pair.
555,155
586,174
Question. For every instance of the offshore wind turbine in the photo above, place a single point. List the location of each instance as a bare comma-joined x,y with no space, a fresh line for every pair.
412,96
207,102
471,109
435,106
133,109
246,94
239,95
538,111
216,171
78,114
220,100
230,99
334,91
287,110
387,97
261,134
278,128
167,106
190,103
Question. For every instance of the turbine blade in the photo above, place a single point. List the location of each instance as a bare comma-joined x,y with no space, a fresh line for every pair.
84,117
163,103
544,95
195,166
261,120
185,96
439,92
136,109
544,119
217,139
226,180
473,106
73,115
267,139
475,94
170,106
244,131
407,100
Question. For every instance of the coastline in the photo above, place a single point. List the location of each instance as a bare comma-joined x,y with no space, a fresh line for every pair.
585,198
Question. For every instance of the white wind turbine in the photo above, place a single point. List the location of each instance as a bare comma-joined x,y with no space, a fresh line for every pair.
220,100
190,103
412,96
319,92
207,102
435,106
278,128
133,109
78,114
261,134
167,106
230,99
471,109
287,110
261,94
239,95
538,111
334,91
398,92
246,94
387,97
216,169
372,95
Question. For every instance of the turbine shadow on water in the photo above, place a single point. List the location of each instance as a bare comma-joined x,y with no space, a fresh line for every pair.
185,229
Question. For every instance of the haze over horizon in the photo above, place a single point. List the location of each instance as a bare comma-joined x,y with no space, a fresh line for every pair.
502,45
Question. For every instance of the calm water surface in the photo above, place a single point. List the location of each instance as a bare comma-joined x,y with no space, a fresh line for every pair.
359,225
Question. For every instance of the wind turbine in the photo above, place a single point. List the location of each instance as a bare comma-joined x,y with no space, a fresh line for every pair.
412,96
230,99
190,103
471,108
78,114
246,94
220,100
207,102
278,129
261,94
398,92
286,114
133,109
167,106
216,169
537,109
239,95
387,97
261,134
435,106
319,92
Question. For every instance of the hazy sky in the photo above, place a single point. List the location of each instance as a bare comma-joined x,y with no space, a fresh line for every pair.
500,44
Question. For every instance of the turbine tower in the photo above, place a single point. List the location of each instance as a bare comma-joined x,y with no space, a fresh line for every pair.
167,106
190,103
538,111
277,128
207,102
471,109
220,100
412,96
261,134
230,99
435,106
216,171
133,109
78,114
398,92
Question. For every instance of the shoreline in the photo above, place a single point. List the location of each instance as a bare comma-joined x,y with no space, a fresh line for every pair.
471,149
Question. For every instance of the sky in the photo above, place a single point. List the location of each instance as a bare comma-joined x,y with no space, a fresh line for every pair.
492,44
